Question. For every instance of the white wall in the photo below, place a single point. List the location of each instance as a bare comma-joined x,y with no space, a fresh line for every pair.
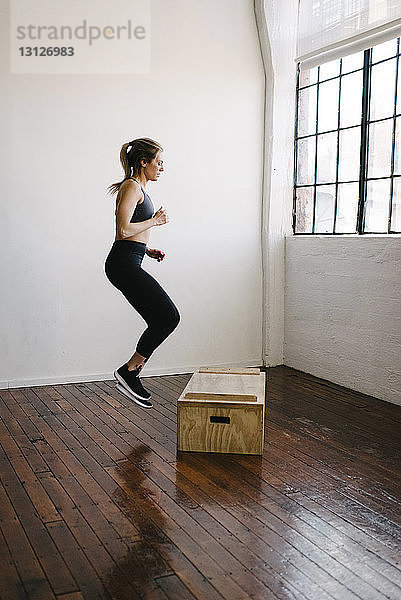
61,135
332,304
343,311
279,42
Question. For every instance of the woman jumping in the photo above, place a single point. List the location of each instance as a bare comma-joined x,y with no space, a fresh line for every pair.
142,161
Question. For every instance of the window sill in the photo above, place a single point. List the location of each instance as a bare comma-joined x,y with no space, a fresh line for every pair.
343,235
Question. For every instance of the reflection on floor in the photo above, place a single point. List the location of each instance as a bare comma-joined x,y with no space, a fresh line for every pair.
95,502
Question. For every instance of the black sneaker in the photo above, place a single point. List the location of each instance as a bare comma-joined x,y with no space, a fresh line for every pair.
131,382
130,395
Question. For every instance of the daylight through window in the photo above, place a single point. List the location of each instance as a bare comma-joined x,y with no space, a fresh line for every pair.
347,175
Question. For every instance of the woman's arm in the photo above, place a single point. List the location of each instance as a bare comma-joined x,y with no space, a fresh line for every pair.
130,194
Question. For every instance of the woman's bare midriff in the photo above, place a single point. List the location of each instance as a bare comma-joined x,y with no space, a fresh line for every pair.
144,238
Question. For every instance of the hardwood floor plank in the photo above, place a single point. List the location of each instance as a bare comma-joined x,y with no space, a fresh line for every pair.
370,572
18,467
319,534
337,461
20,430
152,526
74,457
372,552
351,487
173,588
89,581
35,583
331,412
291,489
11,585
97,504
215,573
239,541
290,472
320,595
51,561
394,592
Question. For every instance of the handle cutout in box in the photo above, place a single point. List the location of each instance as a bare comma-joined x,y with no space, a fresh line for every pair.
220,420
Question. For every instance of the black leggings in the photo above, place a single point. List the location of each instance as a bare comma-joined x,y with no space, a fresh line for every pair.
123,269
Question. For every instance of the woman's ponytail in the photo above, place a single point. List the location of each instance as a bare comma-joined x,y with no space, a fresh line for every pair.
124,159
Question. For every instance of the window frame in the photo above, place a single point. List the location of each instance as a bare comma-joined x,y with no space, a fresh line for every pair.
364,147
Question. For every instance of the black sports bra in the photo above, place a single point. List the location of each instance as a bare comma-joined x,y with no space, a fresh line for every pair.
144,210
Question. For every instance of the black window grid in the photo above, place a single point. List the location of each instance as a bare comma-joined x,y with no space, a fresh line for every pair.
364,147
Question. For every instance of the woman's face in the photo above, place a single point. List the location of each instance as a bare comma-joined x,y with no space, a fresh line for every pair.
153,169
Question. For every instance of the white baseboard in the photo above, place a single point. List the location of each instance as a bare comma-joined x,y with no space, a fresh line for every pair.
147,372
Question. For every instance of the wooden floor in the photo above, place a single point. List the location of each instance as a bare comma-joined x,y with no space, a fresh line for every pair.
96,504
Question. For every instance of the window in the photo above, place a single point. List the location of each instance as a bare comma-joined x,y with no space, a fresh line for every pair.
347,176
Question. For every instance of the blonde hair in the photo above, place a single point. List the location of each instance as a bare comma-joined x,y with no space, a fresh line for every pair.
141,149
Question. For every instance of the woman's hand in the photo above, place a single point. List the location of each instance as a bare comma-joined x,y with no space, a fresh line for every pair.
157,254
160,217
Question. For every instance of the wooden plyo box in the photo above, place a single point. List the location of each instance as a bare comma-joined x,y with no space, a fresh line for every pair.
222,410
